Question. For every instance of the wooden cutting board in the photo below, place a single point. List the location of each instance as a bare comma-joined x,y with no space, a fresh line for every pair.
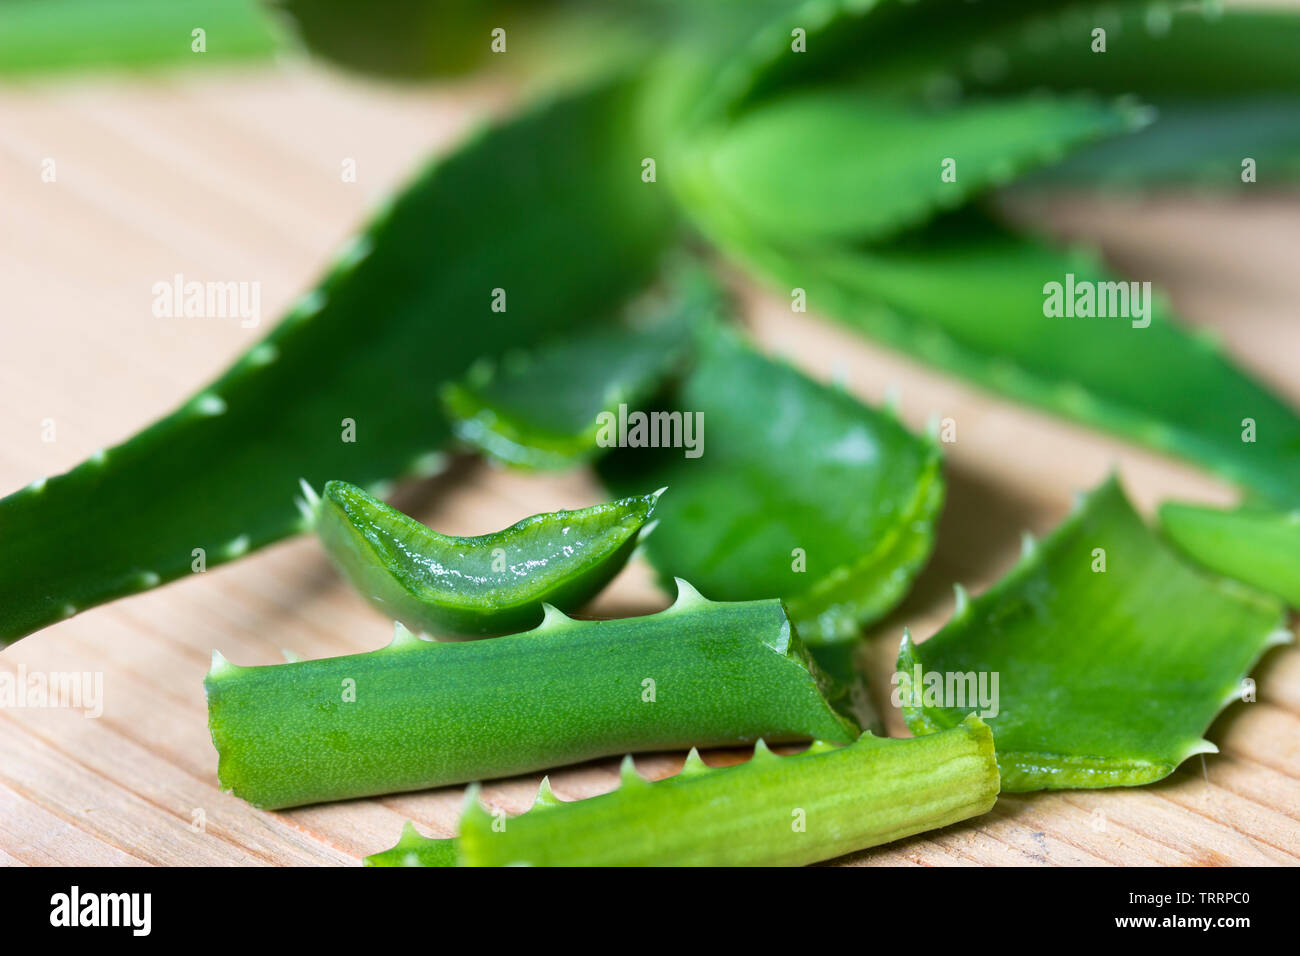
237,175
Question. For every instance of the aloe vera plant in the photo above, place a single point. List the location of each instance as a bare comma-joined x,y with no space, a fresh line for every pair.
802,493
955,288
422,714
349,371
1257,545
769,811
490,584
1112,657
550,408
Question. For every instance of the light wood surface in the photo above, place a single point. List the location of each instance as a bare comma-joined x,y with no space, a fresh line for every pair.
226,175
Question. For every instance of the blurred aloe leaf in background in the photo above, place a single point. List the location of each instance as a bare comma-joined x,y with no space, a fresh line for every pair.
41,36
406,307
829,171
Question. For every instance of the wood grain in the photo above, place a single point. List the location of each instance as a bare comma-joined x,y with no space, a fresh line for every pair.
237,176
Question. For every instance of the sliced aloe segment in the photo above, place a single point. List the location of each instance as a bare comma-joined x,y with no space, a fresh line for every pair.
490,584
1257,545
346,385
551,408
420,714
1100,661
794,490
769,811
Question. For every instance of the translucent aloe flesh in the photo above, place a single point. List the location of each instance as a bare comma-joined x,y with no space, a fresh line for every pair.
407,306
769,811
1112,656
420,714
549,408
802,492
489,584
1256,545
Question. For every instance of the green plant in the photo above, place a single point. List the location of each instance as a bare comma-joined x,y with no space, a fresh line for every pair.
1111,656
547,408
802,492
769,811
420,714
346,385
1257,545
490,584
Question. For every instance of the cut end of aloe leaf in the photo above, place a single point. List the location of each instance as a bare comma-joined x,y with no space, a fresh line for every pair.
477,586
419,714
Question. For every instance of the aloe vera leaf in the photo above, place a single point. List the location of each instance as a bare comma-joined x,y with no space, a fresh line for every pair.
1113,656
403,39
769,811
425,714
1202,143
969,297
490,584
406,307
414,849
545,409
1222,87
1253,544
835,164
798,491
48,35
1153,50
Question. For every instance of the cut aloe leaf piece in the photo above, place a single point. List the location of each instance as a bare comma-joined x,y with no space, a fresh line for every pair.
553,407
1257,545
420,714
769,811
1100,661
838,164
490,584
55,35
346,386
973,298
414,849
793,489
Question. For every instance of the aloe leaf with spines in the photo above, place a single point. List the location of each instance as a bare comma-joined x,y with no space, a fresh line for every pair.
828,165
1112,656
799,491
549,408
1222,86
1254,544
421,714
490,584
770,811
354,359
969,296
962,292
